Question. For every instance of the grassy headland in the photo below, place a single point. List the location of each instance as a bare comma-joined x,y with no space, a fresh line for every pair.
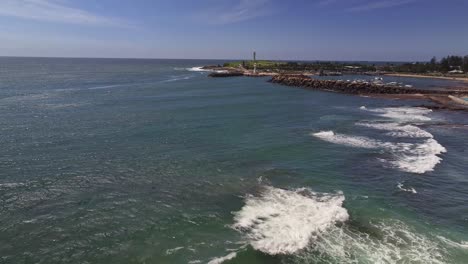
297,74
450,67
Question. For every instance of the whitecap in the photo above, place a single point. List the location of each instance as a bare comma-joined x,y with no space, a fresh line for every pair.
173,250
223,259
410,157
398,130
420,158
403,113
361,142
391,241
11,184
284,222
198,69
402,188
461,245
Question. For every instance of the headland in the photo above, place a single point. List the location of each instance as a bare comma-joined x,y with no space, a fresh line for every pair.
304,75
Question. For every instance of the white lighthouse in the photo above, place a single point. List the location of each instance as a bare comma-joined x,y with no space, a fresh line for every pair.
255,62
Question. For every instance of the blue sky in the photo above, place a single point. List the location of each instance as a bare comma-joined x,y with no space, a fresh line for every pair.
231,29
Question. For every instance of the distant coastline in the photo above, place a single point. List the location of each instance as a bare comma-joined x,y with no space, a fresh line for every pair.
449,68
414,75
302,75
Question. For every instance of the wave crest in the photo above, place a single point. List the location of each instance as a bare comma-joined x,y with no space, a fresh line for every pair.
390,241
420,157
284,222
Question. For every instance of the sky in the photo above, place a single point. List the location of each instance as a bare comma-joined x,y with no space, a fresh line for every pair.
361,30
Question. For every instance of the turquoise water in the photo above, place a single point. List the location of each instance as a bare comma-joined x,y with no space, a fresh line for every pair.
145,161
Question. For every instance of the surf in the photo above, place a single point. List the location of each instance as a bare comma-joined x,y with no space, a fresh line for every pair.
286,221
420,156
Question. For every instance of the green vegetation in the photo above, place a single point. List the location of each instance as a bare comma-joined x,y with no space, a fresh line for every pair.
262,64
433,66
445,65
299,66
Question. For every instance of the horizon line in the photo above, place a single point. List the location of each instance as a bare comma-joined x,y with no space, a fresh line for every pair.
153,58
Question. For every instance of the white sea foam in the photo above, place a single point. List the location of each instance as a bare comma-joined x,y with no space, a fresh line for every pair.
403,113
398,130
198,69
302,224
284,222
419,157
389,242
461,245
105,87
223,259
351,141
11,185
178,78
410,157
402,188
173,250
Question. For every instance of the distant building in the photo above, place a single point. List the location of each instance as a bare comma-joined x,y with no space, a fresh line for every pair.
456,72
353,67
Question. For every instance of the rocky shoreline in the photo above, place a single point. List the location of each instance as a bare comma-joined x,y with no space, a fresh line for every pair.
359,88
442,98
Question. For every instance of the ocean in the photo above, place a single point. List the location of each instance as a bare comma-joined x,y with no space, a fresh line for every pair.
151,161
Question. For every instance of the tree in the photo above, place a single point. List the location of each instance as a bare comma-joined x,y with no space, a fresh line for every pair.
455,61
465,63
444,65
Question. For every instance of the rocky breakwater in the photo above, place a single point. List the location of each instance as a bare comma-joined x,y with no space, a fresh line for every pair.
359,88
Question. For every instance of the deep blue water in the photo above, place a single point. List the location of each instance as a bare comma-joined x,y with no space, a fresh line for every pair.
146,161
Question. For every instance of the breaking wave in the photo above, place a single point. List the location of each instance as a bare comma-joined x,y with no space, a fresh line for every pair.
410,157
460,245
308,227
419,157
399,130
403,113
401,187
197,69
200,69
223,259
390,241
284,222
356,141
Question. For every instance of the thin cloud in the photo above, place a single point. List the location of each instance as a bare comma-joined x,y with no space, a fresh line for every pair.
55,11
244,10
379,5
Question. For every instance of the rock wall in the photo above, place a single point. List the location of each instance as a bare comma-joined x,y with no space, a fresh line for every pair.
351,87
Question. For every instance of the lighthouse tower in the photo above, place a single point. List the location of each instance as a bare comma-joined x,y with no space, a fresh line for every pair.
255,62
